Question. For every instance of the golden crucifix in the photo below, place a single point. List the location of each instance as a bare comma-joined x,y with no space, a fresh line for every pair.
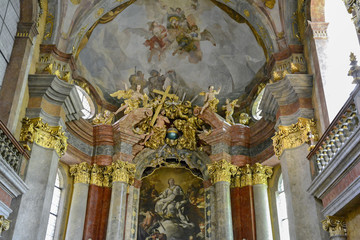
164,96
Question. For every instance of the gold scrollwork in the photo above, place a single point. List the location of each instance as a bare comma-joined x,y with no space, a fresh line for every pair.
97,176
261,173
81,172
334,225
4,224
35,130
221,171
294,135
123,171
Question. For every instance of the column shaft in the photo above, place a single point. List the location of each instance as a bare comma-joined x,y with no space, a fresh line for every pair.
93,212
31,211
116,222
303,209
262,212
247,213
77,213
236,211
106,199
224,229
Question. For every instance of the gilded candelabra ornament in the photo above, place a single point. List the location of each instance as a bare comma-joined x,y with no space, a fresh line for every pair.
221,171
123,171
210,101
81,172
261,173
104,118
36,131
4,224
336,226
229,110
133,99
295,135
97,175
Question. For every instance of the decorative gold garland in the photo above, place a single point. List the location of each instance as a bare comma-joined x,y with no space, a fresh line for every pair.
294,135
35,130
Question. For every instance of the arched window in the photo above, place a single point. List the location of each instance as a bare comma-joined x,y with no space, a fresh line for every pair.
342,39
282,211
54,210
88,105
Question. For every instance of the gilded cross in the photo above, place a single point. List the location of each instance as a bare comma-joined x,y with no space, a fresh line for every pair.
164,96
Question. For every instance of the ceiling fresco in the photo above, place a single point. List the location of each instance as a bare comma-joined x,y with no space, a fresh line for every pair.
189,45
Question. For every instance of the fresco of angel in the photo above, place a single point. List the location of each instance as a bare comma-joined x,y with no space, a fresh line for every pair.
229,110
132,98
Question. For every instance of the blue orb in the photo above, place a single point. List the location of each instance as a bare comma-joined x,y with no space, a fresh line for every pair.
172,133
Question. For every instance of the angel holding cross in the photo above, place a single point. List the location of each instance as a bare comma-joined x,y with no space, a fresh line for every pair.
132,99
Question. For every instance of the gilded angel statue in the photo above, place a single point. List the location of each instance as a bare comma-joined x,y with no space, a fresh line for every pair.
132,99
210,101
229,110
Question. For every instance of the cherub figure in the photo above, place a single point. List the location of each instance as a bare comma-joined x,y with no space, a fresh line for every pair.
132,99
156,137
210,100
229,110
103,118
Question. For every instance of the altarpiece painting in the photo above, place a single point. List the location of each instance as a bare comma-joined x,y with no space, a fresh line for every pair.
172,205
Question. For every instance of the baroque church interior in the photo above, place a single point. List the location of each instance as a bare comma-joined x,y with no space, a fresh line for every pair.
178,120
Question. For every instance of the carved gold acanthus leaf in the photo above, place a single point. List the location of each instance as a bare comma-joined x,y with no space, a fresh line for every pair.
97,175
81,172
221,171
123,172
107,176
4,224
35,130
295,135
334,225
261,173
245,176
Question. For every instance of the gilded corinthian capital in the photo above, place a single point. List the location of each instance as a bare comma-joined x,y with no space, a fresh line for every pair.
246,176
334,225
221,171
304,131
4,224
81,172
36,131
96,175
261,173
123,171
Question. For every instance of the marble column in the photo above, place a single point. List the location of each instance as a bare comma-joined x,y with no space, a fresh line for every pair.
261,201
220,173
122,174
336,227
75,225
304,211
31,211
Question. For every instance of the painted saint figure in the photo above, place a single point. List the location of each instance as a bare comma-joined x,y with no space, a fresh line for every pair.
210,100
157,43
171,204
